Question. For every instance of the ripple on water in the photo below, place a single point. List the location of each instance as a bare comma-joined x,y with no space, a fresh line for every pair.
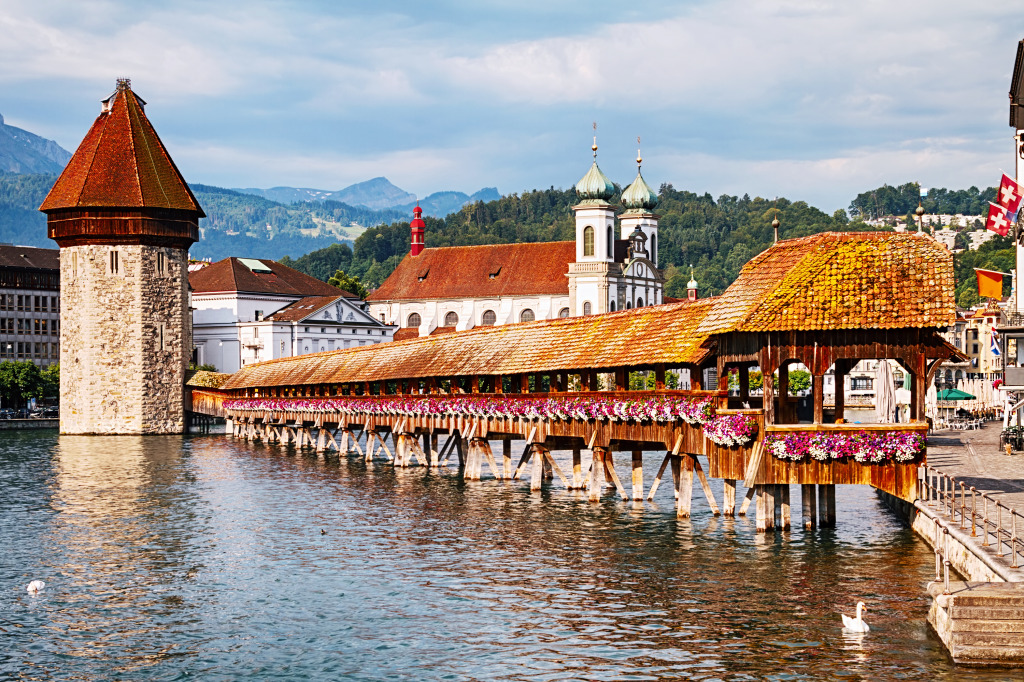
168,558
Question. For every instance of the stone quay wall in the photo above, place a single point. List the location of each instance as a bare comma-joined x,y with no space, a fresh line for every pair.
125,339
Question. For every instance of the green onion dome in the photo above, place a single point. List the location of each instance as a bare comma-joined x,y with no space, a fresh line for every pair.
639,196
595,185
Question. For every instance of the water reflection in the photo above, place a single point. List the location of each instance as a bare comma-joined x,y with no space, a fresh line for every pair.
206,557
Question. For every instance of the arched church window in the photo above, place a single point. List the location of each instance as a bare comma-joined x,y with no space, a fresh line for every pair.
639,303
587,308
628,305
526,316
654,248
413,321
588,241
611,243
612,308
489,318
451,319
564,312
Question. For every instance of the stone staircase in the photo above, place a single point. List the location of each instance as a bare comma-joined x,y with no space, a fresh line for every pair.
980,623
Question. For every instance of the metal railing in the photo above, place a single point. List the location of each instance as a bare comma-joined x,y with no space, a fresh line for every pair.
980,512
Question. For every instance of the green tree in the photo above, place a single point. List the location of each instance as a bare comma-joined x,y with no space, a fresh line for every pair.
50,380
19,382
349,283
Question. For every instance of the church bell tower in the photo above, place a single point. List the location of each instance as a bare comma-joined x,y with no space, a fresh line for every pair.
124,218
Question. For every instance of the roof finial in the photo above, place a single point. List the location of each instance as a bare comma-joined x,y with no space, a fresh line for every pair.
124,84
639,159
775,220
594,146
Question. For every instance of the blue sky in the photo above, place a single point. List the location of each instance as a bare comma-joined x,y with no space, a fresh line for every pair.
810,100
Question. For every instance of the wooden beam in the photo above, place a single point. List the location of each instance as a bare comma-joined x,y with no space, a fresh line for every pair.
705,485
638,475
659,377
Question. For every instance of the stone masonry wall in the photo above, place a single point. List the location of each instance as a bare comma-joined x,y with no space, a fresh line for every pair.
118,376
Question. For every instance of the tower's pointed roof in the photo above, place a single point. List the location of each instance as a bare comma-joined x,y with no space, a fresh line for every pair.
595,186
121,163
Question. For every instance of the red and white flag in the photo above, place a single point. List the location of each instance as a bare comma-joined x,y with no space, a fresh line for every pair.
998,219
1009,195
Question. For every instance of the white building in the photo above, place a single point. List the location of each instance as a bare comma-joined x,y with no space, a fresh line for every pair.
246,310
608,267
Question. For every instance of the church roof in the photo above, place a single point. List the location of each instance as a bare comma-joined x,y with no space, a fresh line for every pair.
595,187
121,163
259,276
531,269
840,280
639,197
637,337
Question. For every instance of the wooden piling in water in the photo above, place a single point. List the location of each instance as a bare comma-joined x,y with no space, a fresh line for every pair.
809,509
729,497
787,516
638,475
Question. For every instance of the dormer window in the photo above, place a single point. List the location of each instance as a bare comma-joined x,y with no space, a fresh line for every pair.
495,273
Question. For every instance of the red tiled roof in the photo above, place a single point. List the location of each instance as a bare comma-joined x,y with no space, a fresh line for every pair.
231,274
489,271
406,333
442,330
637,337
121,163
840,280
303,308
29,257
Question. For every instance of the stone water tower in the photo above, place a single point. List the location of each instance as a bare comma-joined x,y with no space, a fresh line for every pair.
124,219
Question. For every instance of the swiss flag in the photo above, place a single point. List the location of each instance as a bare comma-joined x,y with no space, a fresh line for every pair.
998,221
1009,194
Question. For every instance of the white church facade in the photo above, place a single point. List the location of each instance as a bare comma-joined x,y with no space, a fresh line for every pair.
612,265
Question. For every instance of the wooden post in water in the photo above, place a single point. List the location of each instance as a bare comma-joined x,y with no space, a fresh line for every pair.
787,517
537,479
435,454
809,510
577,468
638,475
762,512
827,505
769,506
549,474
746,500
729,497
596,469
609,465
506,456
695,463
684,485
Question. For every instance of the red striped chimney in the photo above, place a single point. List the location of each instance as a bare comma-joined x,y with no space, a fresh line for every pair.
417,226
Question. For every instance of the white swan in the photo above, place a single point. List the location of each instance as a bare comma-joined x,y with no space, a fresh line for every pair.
35,586
856,624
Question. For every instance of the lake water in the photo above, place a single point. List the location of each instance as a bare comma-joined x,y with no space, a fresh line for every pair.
203,557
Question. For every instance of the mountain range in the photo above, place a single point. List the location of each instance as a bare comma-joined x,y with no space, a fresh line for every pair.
261,223
25,152
378,194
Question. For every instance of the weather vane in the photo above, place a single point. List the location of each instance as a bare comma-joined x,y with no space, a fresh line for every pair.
639,159
594,146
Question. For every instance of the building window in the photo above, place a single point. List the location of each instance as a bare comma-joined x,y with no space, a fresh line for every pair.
974,336
489,318
163,336
160,265
611,243
564,312
588,241
413,321
587,308
861,383
654,248
282,349
115,262
612,308
451,319
526,316
975,349
639,303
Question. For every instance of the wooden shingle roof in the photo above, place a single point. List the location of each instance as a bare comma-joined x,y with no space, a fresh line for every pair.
637,337
121,163
840,280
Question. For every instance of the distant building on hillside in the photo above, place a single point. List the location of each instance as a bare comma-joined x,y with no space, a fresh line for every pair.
247,310
29,304
438,290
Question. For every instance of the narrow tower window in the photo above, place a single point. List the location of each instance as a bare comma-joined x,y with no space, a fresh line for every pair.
611,243
588,241
587,308
115,262
654,248
160,265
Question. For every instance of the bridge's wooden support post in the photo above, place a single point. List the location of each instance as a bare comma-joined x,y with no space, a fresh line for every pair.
460,452
747,498
330,439
435,454
705,485
548,473
577,468
808,510
595,484
506,457
729,497
473,455
488,454
682,476
638,475
769,505
787,516
538,468
549,458
412,447
827,505
661,472
354,443
609,462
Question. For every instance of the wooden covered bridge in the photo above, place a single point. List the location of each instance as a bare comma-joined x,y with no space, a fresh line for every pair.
611,383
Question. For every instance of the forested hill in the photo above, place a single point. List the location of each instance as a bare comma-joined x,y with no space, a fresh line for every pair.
901,200
716,236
